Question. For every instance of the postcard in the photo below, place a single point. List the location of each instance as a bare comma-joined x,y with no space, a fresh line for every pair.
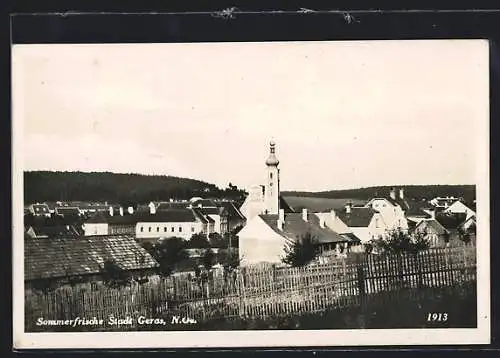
251,194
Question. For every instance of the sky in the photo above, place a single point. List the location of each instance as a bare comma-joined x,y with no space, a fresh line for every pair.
342,114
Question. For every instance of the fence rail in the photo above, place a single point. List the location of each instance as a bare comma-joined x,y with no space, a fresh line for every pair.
264,291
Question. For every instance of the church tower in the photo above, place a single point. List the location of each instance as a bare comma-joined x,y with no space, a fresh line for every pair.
272,187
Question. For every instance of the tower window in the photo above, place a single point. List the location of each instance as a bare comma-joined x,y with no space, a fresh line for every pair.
271,175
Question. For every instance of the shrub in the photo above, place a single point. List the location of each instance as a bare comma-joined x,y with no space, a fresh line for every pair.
301,251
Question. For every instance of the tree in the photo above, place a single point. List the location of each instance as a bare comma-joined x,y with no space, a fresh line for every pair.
301,251
198,241
169,253
464,235
400,241
208,259
114,275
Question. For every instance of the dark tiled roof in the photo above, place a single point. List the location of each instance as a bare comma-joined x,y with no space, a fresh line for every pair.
351,237
55,231
295,227
40,208
177,215
213,211
205,203
358,217
417,208
451,221
59,257
71,211
232,211
200,215
171,206
434,225
316,205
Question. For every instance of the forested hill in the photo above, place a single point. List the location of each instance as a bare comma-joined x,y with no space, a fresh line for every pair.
42,186
418,192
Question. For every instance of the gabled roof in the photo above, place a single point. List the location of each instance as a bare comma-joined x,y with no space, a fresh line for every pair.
434,225
451,221
417,209
202,217
41,208
205,203
166,205
55,231
173,215
71,211
295,227
358,217
67,256
232,211
316,205
213,211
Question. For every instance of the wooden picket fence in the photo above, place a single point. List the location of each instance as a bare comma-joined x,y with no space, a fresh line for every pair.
264,291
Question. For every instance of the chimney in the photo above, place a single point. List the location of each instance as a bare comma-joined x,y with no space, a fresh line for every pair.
322,221
304,214
393,194
348,207
130,210
333,214
401,193
171,200
110,211
282,215
280,224
121,211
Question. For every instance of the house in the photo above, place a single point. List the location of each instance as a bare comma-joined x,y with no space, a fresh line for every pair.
460,208
39,210
264,237
68,211
418,211
110,223
436,234
364,222
392,208
265,199
441,203
51,231
208,224
82,259
235,218
219,215
181,223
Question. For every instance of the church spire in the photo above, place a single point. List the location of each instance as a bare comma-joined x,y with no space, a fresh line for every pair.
272,160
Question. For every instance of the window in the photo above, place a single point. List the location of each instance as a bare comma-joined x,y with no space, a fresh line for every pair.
142,229
172,229
157,229
180,228
376,223
165,229
149,229
192,228
270,175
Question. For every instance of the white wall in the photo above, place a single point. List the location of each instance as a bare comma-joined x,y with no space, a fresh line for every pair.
216,219
92,229
259,243
162,229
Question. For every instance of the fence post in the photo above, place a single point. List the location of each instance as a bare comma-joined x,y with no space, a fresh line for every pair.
361,283
241,292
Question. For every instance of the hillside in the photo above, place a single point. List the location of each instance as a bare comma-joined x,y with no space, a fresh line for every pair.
418,192
42,186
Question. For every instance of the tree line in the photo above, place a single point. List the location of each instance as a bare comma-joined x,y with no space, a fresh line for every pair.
415,192
41,186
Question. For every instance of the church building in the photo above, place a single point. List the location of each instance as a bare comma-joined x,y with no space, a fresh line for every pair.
265,199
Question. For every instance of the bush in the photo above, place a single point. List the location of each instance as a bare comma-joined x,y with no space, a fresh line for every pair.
300,252
399,241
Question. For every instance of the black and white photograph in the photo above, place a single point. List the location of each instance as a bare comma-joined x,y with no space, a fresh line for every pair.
251,194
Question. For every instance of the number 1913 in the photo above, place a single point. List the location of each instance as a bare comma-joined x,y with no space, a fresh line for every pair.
437,317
